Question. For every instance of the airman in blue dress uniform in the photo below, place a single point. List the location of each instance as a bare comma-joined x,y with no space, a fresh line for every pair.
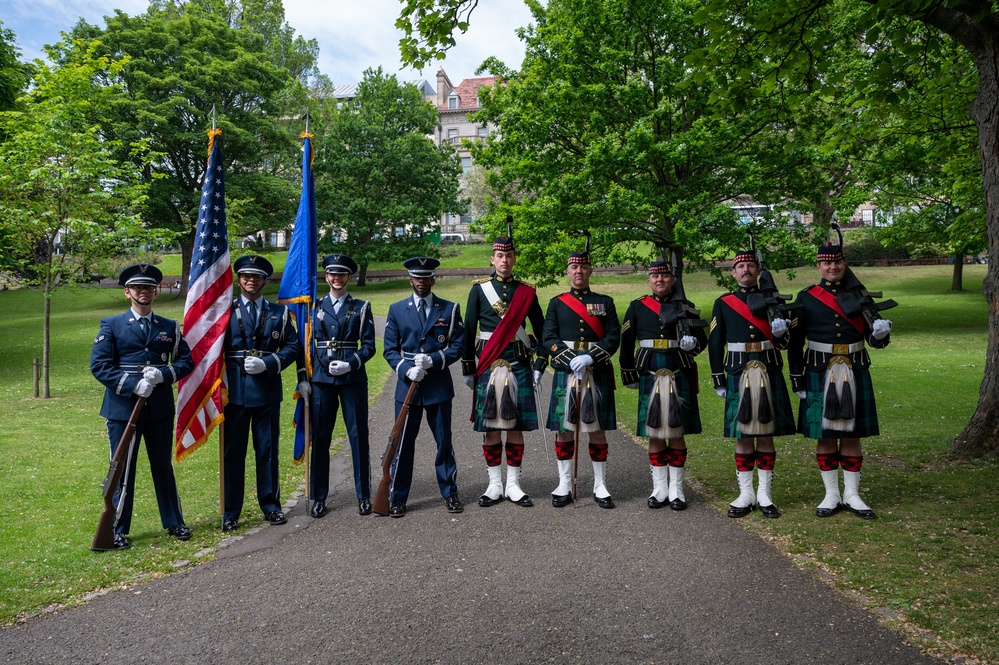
260,343
424,336
141,354
344,332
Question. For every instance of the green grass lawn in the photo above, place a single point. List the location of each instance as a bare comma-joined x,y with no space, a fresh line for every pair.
930,562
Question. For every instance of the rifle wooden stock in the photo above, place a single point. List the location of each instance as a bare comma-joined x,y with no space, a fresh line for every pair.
104,538
380,502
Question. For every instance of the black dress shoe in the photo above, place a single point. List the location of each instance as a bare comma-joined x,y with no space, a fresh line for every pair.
276,517
229,524
605,502
770,511
737,511
828,512
654,503
363,506
397,509
867,514
318,509
121,542
485,501
678,504
453,503
180,532
561,500
524,501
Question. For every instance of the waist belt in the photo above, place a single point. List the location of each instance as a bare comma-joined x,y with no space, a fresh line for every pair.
577,345
750,347
836,349
251,353
352,346
139,368
659,344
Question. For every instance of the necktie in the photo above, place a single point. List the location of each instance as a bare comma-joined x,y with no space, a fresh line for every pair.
421,309
143,325
251,309
336,306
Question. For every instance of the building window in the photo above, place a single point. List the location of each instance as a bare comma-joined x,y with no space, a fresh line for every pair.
466,164
482,132
452,101
452,134
867,216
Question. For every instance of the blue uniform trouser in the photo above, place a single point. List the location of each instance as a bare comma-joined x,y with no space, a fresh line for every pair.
265,422
439,420
326,400
157,435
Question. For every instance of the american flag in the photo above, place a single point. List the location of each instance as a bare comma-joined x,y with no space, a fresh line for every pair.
201,395
298,283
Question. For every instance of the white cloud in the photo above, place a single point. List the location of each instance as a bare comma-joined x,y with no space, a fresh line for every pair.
352,34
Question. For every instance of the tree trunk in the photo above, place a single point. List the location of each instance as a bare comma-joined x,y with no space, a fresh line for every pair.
957,279
46,341
981,436
362,274
186,251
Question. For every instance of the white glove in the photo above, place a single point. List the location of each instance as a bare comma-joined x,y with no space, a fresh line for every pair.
339,367
779,327
415,373
688,343
801,394
580,363
152,375
537,377
881,328
254,365
470,381
143,388
722,392
423,361
304,389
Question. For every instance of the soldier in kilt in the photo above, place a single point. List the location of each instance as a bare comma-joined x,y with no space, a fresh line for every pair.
830,372
581,334
745,344
497,366
665,373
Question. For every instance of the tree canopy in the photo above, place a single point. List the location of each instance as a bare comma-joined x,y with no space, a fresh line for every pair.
381,182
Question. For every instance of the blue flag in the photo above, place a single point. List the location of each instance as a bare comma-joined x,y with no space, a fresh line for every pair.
298,283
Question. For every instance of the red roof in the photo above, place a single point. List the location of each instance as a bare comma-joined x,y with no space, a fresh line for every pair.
468,92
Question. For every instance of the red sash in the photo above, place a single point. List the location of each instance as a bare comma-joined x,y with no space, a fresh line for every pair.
742,309
515,314
829,300
579,308
652,304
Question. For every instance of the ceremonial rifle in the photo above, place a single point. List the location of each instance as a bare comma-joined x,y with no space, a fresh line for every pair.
685,314
777,304
575,438
380,502
870,310
104,538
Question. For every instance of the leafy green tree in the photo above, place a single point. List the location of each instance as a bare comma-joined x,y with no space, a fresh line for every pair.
797,38
14,74
381,183
184,61
69,204
604,129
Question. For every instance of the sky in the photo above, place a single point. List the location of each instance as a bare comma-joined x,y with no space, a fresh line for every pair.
353,35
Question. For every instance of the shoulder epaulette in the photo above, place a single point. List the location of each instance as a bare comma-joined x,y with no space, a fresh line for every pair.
481,280
527,283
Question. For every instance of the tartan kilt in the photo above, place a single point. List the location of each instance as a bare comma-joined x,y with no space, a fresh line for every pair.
606,413
686,384
527,407
810,409
783,413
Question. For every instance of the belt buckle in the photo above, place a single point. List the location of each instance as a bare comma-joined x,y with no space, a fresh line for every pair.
660,344
580,346
841,349
754,347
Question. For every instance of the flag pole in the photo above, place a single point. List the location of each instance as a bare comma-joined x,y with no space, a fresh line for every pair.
222,472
